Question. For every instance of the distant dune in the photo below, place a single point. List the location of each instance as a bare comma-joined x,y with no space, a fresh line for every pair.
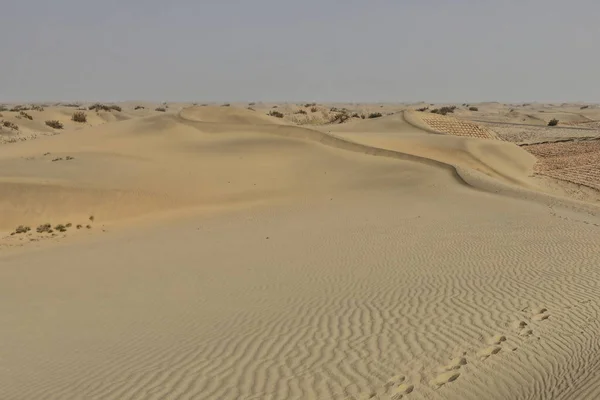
370,251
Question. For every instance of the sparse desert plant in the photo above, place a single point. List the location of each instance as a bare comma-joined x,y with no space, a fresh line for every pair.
104,107
79,116
10,125
3,108
251,109
314,109
68,225
584,107
139,107
553,122
473,109
423,109
362,116
355,115
310,105
60,228
276,114
25,115
88,226
22,229
225,105
161,109
69,158
443,110
44,228
79,226
251,104
72,105
300,112
375,115
19,108
54,124
37,108
275,107
91,218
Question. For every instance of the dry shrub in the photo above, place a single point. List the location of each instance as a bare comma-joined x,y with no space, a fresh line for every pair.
79,116
54,124
161,109
10,125
25,115
276,114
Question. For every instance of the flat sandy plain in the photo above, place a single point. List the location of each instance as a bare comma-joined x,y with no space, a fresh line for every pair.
217,252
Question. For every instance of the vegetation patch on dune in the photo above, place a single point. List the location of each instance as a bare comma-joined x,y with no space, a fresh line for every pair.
54,124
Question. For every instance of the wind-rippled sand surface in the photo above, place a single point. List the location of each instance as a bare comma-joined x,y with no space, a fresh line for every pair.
378,260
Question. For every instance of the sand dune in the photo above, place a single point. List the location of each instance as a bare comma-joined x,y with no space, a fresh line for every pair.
244,257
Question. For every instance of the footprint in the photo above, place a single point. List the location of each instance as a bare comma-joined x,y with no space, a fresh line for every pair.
497,339
540,316
398,392
525,332
446,377
518,325
395,380
454,364
488,351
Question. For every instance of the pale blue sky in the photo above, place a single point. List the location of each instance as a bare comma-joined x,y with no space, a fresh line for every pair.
281,50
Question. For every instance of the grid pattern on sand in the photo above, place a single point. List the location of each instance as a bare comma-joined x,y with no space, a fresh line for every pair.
453,126
577,162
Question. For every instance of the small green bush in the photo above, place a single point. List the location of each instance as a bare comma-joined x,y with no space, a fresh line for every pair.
375,115
553,122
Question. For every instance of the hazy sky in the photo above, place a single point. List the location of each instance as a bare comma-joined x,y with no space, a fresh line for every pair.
322,50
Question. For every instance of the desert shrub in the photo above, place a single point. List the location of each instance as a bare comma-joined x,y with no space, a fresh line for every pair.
276,114
44,228
25,115
275,107
37,108
251,109
553,122
22,229
310,105
10,125
19,108
72,105
443,110
362,116
98,107
3,108
79,116
473,109
300,112
314,109
251,104
139,107
225,105
104,107
355,115
584,107
161,109
423,109
375,115
54,124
